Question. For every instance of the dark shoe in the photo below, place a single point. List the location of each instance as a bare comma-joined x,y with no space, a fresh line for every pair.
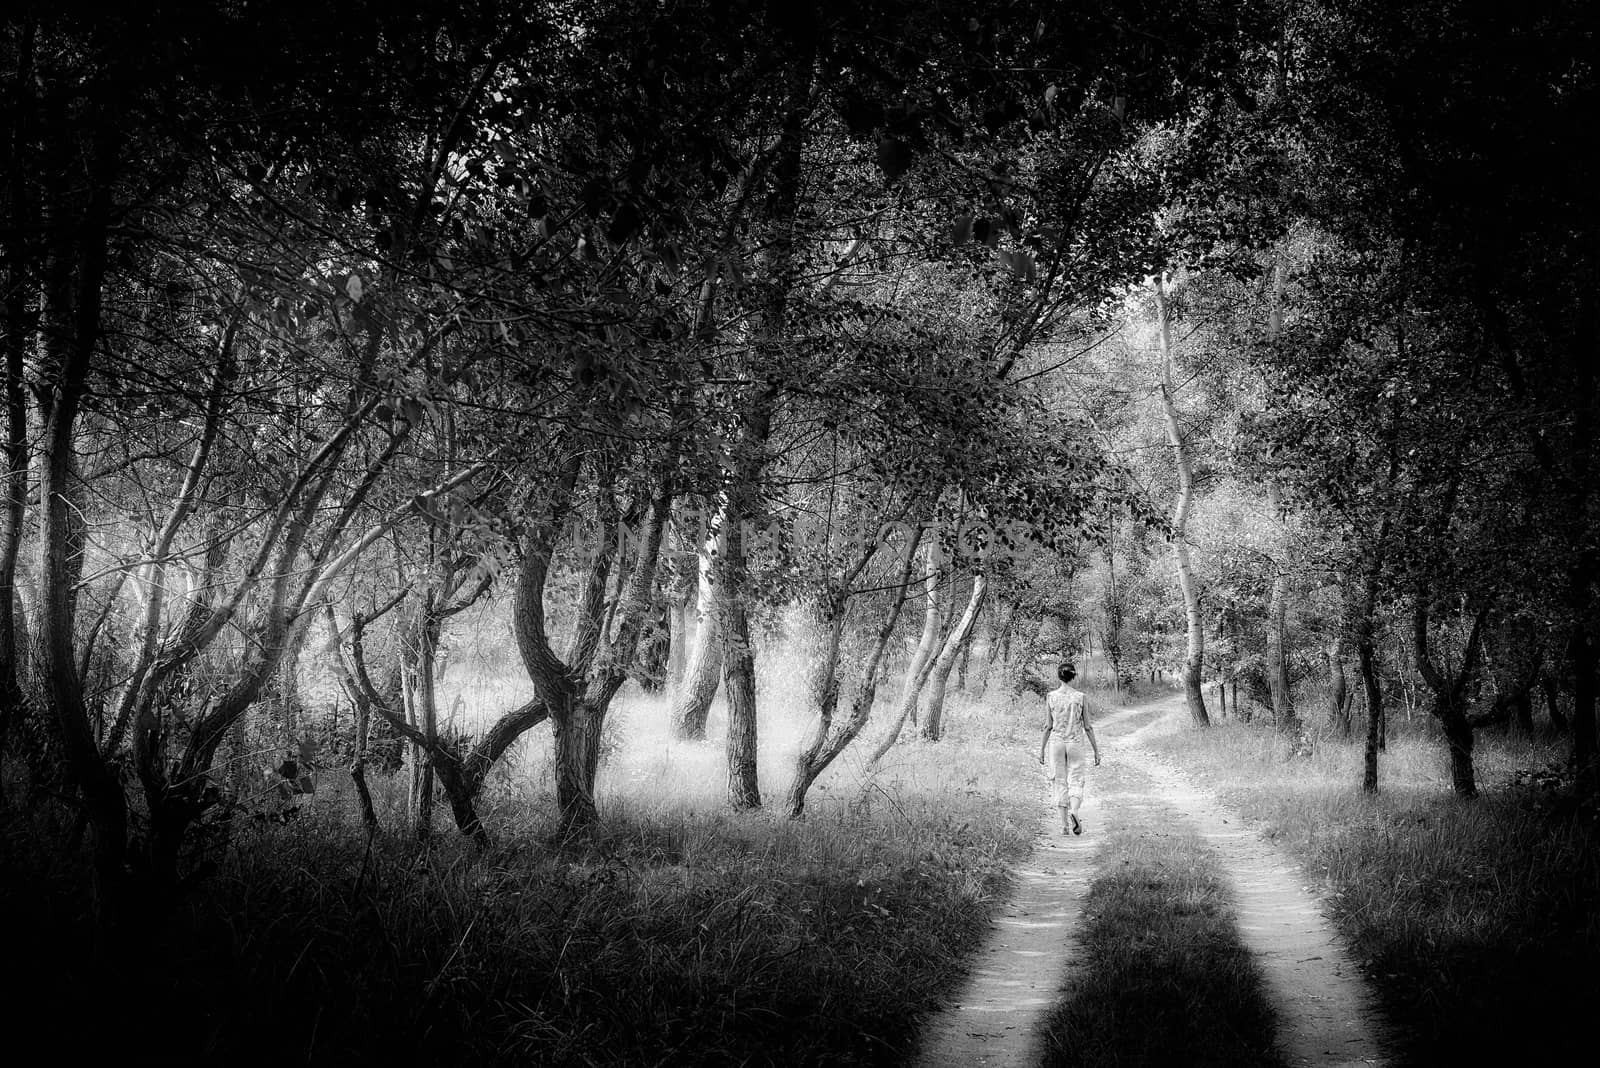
1077,828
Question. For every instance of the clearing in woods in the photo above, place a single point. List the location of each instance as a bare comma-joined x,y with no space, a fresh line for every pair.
1324,1007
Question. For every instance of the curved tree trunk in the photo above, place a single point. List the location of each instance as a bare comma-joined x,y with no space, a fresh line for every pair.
1448,703
72,310
922,660
822,687
826,741
576,697
1194,656
358,762
20,329
954,643
461,776
691,702
825,744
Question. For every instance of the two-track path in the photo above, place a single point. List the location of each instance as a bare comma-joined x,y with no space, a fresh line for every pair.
1324,1008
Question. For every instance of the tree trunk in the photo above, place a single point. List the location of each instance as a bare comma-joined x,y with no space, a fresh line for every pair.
19,335
922,659
424,693
423,798
960,634
928,641
1194,654
1112,640
358,762
683,594
681,624
744,788
1283,712
823,691
462,777
739,680
1552,703
692,700
1449,695
459,792
289,698
1374,697
1338,689
826,742
74,314
1001,655
1458,739
577,758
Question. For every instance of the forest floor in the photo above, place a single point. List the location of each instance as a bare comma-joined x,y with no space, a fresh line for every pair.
1321,1008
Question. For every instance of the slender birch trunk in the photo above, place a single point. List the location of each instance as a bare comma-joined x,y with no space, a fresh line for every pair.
683,599
922,660
703,673
1194,657
1283,711
954,643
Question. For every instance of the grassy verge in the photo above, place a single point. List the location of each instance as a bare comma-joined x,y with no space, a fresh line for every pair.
1474,918
672,937
1163,978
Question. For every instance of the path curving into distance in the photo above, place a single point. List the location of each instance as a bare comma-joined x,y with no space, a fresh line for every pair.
1325,1008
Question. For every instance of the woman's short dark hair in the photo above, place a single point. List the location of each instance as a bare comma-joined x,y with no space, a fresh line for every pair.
1066,671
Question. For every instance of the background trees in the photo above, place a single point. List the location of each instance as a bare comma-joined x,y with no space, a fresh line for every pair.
556,319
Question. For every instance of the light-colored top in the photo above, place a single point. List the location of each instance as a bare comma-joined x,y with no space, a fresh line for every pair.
1069,711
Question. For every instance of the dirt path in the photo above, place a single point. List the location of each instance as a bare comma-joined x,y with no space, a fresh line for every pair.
1018,974
1326,1009
1324,1006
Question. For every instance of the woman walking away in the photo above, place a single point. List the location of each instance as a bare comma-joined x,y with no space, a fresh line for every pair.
1066,726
